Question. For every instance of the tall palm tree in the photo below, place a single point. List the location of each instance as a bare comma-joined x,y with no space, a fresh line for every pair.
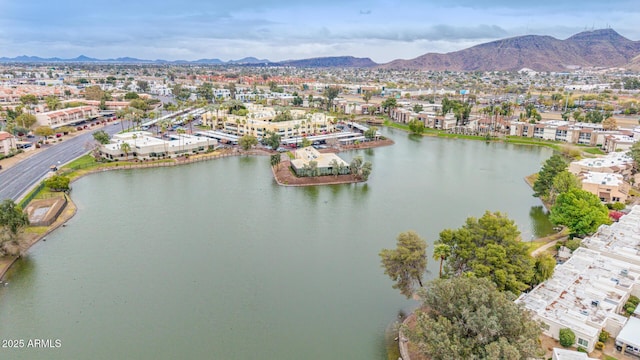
441,252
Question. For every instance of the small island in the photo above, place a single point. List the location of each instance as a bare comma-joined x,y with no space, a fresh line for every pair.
310,167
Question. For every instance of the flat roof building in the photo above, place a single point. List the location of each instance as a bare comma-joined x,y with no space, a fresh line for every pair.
587,293
325,162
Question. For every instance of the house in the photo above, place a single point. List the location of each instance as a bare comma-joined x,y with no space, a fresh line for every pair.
7,143
608,187
629,337
325,162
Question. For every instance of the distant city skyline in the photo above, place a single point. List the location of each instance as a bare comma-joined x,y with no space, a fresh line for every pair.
382,30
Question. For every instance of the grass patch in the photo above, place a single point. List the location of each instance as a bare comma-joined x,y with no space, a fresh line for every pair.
607,357
533,245
594,151
81,162
530,141
38,230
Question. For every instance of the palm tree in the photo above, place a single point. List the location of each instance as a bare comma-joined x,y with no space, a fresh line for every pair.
441,252
125,148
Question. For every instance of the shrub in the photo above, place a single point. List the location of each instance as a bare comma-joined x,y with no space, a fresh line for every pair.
582,349
573,244
599,345
604,336
567,337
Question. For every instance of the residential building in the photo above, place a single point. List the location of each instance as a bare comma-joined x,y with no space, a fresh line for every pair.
613,163
565,354
7,143
618,142
325,162
68,116
606,186
261,120
587,293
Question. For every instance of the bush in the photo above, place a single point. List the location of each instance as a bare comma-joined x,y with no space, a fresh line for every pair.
582,349
599,345
573,244
604,336
567,337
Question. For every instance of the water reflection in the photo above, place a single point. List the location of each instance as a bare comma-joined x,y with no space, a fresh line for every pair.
540,225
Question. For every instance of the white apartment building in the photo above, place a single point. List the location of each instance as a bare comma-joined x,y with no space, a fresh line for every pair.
614,163
143,146
587,293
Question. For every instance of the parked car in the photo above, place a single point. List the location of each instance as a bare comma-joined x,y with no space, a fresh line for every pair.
58,135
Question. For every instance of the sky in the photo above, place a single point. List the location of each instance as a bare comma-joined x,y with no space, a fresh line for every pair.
382,30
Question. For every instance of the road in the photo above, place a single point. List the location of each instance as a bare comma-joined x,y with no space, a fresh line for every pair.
16,180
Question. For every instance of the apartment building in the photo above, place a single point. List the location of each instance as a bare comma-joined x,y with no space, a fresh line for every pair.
7,143
612,163
606,186
324,162
587,293
64,117
261,120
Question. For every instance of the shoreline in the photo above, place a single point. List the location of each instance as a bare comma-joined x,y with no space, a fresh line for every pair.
71,209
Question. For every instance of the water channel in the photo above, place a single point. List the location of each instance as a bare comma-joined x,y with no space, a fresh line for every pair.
214,260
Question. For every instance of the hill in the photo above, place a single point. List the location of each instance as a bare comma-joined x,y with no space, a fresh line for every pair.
336,61
597,48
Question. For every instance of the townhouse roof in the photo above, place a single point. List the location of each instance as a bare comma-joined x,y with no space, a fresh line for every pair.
609,179
609,160
5,135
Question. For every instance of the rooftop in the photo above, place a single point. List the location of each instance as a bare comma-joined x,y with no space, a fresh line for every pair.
610,179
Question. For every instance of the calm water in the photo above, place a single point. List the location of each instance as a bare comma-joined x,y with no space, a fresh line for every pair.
214,260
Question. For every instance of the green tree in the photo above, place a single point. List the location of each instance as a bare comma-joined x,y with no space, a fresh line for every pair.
441,252
416,127
12,221
143,85
272,140
94,93
306,142
388,104
366,96
371,133
634,153
417,108
29,99
205,91
489,247
331,93
26,120
53,103
567,337
552,167
126,149
275,160
44,131
336,167
366,170
545,264
562,183
58,183
101,136
467,318
131,95
580,211
247,142
139,104
407,263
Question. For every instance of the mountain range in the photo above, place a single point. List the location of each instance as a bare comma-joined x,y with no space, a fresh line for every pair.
603,48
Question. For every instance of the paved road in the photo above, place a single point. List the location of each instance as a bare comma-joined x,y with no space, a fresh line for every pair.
16,180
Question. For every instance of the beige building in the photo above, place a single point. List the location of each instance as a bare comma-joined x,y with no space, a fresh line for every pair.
7,143
613,163
608,187
261,120
325,162
69,116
